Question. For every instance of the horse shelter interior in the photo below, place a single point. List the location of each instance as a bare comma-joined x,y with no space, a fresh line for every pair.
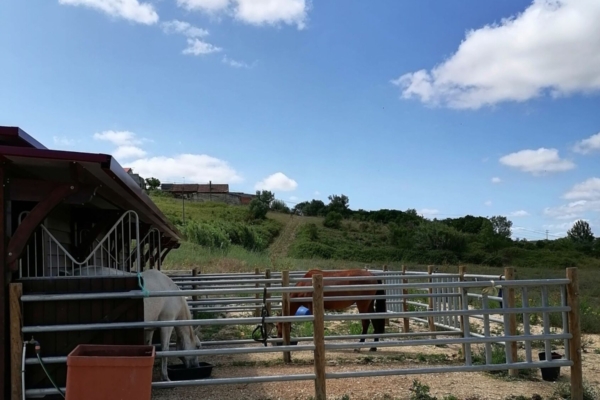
63,211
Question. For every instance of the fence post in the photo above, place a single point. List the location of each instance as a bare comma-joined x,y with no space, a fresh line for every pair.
405,320
16,339
509,275
461,272
267,285
575,330
431,319
319,337
257,295
195,287
285,311
387,320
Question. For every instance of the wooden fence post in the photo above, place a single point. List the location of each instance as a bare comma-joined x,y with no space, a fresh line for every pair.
268,285
16,339
387,320
405,320
461,272
509,275
319,337
257,295
285,311
431,319
195,298
575,330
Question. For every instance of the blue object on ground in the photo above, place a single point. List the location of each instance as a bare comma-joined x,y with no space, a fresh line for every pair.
303,311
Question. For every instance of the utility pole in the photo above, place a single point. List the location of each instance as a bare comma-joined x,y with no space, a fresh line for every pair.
546,234
183,200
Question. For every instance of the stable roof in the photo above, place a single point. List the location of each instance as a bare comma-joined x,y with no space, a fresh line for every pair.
117,187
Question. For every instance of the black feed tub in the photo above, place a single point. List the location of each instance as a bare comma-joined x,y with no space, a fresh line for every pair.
550,374
180,373
292,343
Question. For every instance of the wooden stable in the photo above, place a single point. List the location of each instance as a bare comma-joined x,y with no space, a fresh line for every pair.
62,211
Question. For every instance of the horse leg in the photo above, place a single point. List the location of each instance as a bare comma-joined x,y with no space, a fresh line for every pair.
165,338
363,307
372,310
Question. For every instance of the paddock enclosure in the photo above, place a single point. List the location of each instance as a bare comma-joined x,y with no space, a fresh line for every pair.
65,211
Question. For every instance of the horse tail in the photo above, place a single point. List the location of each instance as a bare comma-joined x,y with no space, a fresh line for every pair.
380,307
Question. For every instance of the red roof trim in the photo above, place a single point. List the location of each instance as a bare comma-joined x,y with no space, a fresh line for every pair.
19,137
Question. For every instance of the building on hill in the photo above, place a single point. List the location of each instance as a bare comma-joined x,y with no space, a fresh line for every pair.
207,192
141,182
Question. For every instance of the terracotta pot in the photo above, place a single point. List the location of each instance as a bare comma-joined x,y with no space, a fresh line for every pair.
100,372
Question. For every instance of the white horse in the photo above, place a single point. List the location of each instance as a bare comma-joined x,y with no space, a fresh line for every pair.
170,308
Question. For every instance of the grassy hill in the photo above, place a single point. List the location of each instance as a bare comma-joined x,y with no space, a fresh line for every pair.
224,238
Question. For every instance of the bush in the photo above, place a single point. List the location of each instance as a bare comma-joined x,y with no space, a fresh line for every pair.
333,220
207,235
258,209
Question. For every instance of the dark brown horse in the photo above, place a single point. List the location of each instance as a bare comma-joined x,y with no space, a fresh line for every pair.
364,306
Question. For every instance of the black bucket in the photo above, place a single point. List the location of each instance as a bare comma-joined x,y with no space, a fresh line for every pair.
550,374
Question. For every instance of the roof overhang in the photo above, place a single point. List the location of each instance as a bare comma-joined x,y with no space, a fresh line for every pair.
117,186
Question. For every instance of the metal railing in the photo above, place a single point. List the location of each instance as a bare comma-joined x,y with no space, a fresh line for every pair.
448,294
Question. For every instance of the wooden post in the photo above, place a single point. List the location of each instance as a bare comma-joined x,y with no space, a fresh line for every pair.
509,275
575,330
195,298
16,339
319,337
405,320
267,285
387,320
285,311
431,320
257,295
461,272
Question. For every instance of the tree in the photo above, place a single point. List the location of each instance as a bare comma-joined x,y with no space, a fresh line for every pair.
279,206
152,183
339,203
581,232
333,219
502,226
265,196
258,209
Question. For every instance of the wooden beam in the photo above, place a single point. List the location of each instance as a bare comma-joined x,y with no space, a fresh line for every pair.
509,275
36,190
575,330
33,220
285,311
4,371
319,337
16,340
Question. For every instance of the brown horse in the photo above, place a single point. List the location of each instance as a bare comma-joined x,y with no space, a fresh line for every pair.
364,306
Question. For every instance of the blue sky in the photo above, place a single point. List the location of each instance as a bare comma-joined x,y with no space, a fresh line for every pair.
450,107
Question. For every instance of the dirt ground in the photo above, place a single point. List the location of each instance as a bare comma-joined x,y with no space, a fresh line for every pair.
472,385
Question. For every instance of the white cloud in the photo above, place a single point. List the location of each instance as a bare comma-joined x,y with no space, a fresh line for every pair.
118,138
538,161
197,168
198,47
127,144
131,10
183,28
235,63
428,212
545,49
277,181
563,227
520,213
254,12
575,209
63,141
488,203
588,145
204,5
587,190
128,152
195,45
496,180
259,12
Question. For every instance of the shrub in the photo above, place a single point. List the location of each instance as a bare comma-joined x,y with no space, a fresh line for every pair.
333,220
258,209
207,235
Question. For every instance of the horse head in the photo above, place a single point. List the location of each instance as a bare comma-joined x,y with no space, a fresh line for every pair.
187,339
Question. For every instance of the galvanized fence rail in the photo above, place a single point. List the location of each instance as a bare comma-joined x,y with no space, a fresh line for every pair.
439,300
